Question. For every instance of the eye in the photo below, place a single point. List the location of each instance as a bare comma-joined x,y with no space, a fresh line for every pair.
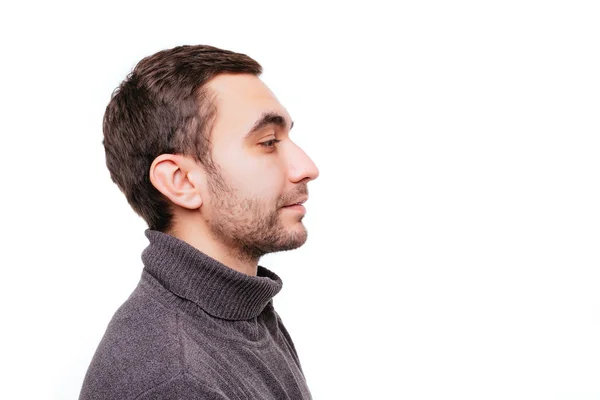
270,143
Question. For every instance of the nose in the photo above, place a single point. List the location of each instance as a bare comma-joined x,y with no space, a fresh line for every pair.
301,167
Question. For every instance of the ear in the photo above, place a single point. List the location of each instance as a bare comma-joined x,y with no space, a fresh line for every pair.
177,177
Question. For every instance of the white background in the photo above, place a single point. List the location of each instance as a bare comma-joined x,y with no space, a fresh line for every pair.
454,231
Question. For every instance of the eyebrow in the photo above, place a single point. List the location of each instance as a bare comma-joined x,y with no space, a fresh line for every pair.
269,118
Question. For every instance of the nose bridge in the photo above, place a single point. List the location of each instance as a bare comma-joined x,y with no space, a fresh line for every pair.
300,165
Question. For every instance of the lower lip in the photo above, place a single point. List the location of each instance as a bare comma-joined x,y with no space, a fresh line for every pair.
297,207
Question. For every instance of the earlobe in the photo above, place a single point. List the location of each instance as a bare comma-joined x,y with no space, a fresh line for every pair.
169,175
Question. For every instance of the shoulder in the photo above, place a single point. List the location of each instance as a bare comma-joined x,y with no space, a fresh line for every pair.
183,386
140,350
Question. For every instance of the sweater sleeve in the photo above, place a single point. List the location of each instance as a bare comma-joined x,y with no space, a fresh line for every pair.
183,387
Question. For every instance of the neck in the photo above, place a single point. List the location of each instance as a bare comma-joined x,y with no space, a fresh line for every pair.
197,280
205,242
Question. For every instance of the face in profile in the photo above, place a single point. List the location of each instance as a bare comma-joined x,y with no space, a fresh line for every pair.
260,170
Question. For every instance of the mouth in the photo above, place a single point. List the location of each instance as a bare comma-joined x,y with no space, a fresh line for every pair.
297,206
298,202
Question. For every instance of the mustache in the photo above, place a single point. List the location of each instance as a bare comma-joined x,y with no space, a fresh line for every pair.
300,192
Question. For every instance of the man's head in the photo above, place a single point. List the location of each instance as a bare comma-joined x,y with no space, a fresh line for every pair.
196,141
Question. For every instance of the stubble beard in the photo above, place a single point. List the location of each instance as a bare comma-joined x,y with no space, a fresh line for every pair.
244,225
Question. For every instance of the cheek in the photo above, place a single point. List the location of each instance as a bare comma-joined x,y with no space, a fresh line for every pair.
259,176
260,182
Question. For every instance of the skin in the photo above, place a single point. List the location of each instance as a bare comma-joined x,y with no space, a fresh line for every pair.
237,215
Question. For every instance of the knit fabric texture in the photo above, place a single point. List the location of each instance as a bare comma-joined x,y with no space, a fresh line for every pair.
194,328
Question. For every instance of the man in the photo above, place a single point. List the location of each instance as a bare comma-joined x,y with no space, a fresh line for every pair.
201,148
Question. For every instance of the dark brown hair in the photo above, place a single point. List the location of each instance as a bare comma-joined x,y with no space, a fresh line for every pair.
162,107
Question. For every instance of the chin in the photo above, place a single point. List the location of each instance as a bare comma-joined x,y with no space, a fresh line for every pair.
292,238
299,237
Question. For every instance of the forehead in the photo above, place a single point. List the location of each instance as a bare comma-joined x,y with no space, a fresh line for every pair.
241,99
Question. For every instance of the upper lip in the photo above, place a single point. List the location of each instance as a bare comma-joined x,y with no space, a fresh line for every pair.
301,200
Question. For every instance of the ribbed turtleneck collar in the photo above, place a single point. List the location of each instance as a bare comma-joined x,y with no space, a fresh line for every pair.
219,290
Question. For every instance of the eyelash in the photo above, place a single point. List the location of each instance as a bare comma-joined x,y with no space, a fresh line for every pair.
275,141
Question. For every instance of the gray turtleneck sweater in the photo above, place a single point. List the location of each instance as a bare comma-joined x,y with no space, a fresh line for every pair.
196,329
